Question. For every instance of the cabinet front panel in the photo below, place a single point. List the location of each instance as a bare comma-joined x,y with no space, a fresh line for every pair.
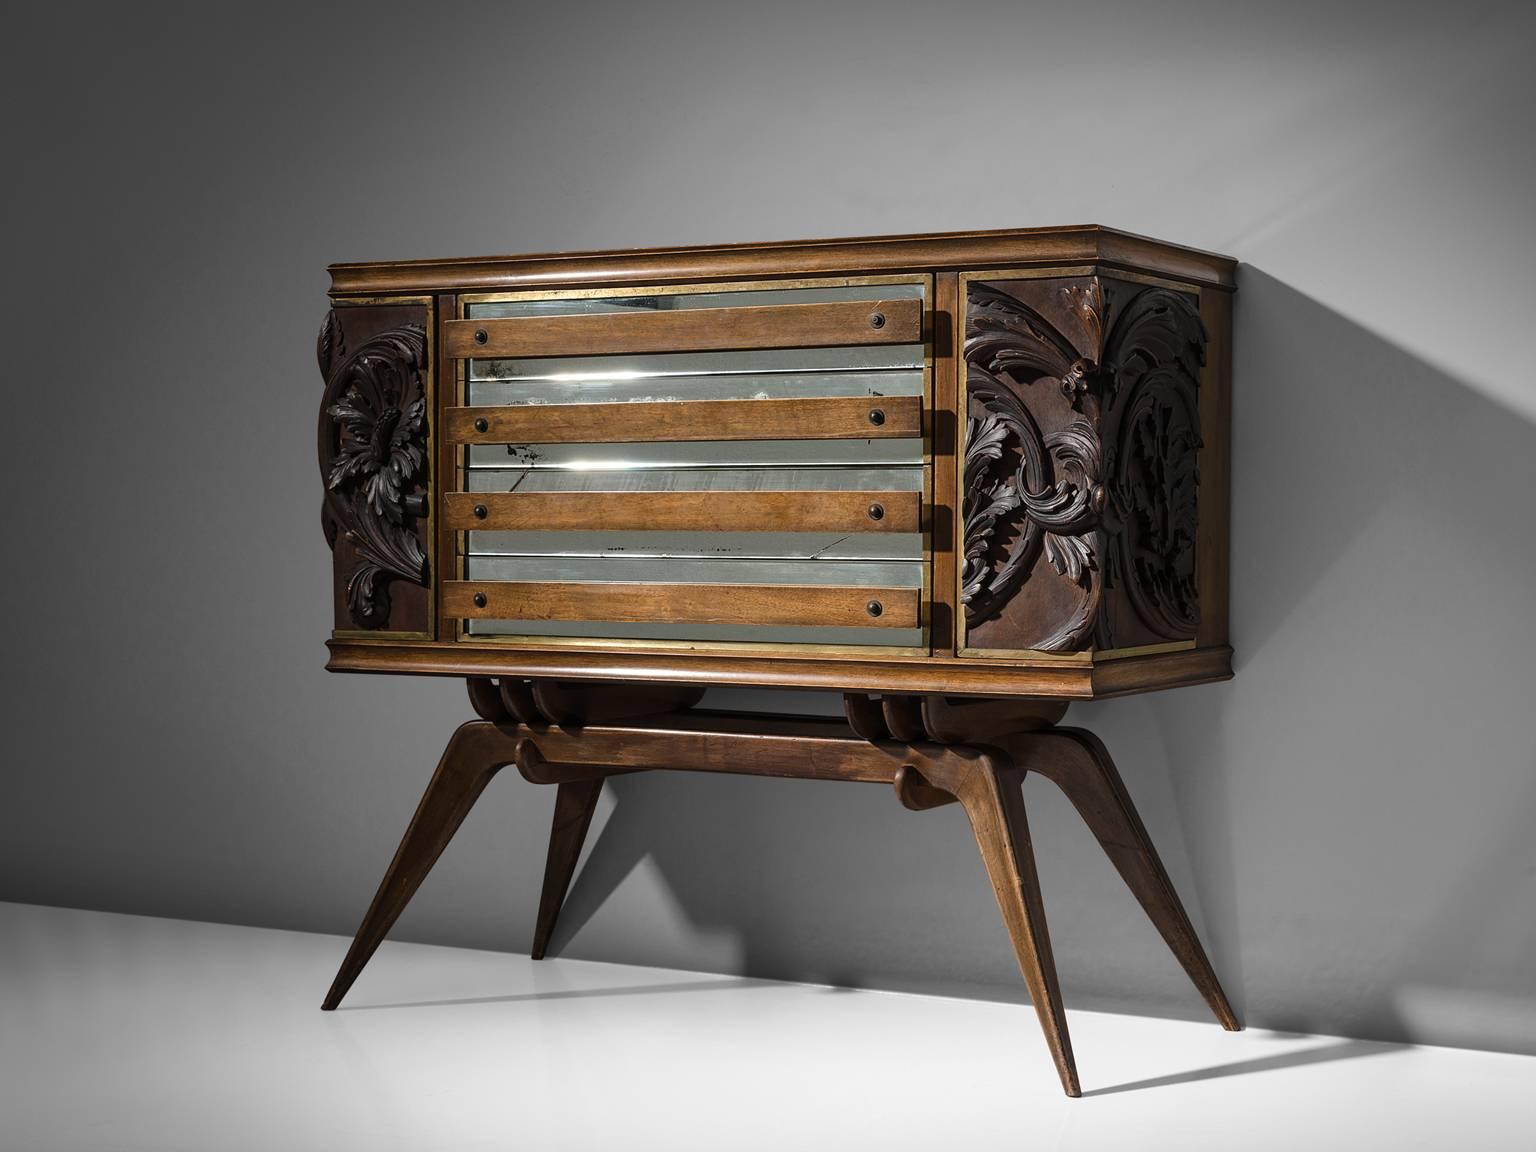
706,478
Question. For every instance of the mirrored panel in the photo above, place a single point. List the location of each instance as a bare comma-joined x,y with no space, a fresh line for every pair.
620,389
696,480
734,545
695,454
700,633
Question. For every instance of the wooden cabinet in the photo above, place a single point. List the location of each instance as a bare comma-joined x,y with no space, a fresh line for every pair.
980,464
964,479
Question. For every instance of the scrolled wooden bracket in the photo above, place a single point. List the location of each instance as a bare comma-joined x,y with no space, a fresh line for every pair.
947,719
916,793
541,703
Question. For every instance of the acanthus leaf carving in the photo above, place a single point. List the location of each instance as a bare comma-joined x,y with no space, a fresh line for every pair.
1158,345
1026,492
1109,499
373,453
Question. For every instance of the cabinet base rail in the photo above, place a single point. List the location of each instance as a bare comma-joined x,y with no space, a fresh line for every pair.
932,750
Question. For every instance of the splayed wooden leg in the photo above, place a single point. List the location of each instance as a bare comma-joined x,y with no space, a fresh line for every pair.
992,794
474,755
1080,765
575,801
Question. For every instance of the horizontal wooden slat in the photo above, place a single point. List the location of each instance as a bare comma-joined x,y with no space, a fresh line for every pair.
741,604
802,418
827,325
721,511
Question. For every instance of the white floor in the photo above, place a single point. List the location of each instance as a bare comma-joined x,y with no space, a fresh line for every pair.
123,1032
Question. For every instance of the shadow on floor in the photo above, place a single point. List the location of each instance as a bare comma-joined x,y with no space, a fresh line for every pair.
1320,1054
1353,808
573,994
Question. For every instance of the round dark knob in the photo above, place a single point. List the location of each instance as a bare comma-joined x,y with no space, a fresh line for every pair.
480,512
877,416
479,599
482,424
877,511
874,607
481,336
877,319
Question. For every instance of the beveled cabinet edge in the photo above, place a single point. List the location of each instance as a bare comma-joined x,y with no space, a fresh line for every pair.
931,252
429,302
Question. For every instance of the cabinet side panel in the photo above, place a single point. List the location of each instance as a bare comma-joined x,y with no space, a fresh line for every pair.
1033,539
1215,467
1082,464
375,412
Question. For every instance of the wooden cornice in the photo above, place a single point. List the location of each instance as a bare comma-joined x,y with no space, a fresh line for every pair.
1079,246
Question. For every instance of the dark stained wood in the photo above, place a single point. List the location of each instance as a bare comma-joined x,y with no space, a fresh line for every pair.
1079,764
1048,261
373,359
720,511
865,716
575,802
1070,554
788,418
535,769
903,717
1214,550
991,792
517,697
1130,674
485,699
1070,246
806,747
986,781
577,703
791,604
846,322
1082,460
917,794
476,753
953,720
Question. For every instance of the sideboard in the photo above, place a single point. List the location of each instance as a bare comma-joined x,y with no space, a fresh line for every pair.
963,479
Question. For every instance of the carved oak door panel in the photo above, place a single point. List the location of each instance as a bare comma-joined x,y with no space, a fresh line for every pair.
1080,473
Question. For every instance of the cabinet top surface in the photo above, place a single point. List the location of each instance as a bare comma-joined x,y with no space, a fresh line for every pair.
1076,245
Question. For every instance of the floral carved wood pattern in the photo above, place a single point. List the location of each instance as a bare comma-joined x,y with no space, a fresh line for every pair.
1108,495
373,455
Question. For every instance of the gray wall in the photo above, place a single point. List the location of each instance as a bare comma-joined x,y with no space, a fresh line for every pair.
1350,819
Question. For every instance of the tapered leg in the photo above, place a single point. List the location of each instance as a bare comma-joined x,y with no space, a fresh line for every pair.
474,755
1081,767
575,801
992,795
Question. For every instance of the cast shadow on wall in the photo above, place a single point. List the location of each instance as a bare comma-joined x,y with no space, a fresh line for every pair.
1345,821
